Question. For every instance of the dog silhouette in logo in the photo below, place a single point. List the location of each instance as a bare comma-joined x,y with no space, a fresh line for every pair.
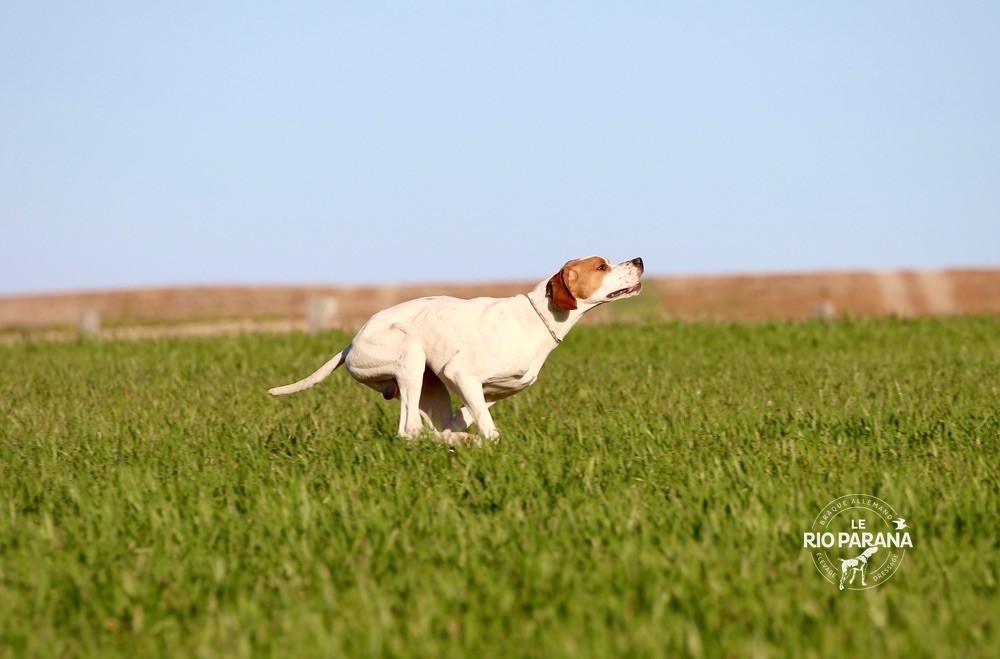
854,565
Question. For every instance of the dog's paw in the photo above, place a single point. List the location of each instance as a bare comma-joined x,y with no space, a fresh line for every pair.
454,438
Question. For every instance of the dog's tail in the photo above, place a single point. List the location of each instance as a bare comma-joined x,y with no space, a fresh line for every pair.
323,373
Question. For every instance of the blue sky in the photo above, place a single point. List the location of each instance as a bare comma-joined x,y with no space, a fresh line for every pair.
346,143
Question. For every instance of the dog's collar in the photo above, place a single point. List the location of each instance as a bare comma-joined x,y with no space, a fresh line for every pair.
538,312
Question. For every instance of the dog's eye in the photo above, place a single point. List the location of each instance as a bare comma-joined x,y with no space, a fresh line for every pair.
602,267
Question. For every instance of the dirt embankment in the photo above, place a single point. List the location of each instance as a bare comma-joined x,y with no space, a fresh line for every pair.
901,293
283,308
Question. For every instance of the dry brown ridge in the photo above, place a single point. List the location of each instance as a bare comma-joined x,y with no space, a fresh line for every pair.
227,309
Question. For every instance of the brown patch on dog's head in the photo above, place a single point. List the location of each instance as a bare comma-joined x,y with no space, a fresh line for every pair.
577,280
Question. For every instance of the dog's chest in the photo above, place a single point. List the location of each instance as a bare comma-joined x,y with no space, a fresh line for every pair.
509,383
515,376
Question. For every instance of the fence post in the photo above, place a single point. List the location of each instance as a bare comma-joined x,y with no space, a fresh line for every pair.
90,322
322,313
824,310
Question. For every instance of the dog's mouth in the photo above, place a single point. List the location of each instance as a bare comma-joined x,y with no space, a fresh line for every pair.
625,292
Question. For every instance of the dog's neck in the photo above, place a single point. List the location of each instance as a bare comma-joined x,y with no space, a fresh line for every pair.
556,321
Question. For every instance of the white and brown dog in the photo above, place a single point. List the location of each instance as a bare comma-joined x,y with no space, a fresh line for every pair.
484,349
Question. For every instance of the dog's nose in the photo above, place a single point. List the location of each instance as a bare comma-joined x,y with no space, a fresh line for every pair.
637,262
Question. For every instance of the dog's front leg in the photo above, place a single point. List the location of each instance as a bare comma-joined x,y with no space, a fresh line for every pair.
463,418
471,392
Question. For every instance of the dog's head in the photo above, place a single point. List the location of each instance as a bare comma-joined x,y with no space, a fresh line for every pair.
593,280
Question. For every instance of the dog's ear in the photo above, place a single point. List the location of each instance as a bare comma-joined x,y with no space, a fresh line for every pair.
557,289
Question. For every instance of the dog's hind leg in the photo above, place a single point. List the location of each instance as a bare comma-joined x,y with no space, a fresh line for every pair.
409,378
435,402
391,362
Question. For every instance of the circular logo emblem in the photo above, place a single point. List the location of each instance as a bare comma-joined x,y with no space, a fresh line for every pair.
858,541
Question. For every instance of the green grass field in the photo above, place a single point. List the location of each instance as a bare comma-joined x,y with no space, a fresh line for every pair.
647,498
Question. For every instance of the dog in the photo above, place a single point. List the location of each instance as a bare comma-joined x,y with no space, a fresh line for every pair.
855,565
484,349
